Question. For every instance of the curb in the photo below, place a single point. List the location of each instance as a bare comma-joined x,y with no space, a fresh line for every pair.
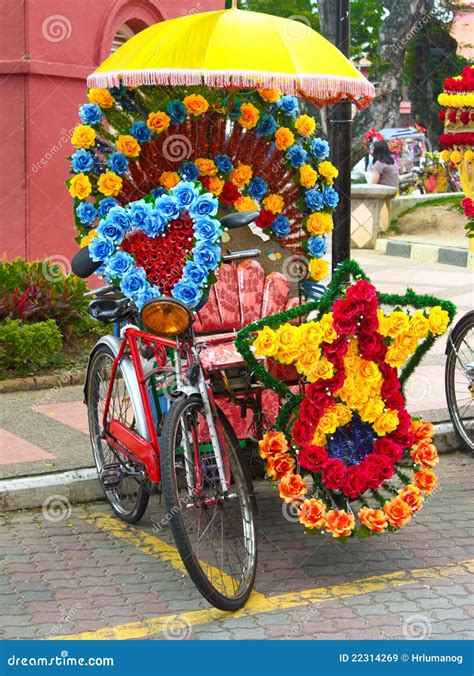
429,253
55,493
42,382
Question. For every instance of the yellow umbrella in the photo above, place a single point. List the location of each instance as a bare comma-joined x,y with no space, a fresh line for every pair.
236,48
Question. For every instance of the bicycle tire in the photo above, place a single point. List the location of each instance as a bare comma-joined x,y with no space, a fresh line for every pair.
464,326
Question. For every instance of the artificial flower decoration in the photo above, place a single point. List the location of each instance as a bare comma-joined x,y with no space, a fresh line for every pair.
346,435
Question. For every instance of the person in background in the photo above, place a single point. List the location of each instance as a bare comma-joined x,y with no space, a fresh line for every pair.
384,171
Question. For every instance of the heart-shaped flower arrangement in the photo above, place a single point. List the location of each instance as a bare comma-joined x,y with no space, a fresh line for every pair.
166,245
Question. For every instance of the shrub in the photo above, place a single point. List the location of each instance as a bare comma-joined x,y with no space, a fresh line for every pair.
28,344
37,291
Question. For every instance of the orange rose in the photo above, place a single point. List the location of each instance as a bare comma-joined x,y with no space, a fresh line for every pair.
424,454
280,465
284,138
425,480
128,145
274,203
80,186
248,115
292,487
312,513
422,430
169,179
270,95
397,512
206,166
374,519
412,496
308,176
158,122
215,185
102,97
196,104
271,444
241,175
109,184
339,523
245,204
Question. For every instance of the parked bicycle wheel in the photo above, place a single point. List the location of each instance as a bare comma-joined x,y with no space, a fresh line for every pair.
214,531
121,480
459,379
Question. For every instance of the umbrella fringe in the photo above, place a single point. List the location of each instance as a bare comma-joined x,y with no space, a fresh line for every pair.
322,88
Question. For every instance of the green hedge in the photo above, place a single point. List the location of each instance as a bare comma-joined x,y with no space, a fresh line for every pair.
28,345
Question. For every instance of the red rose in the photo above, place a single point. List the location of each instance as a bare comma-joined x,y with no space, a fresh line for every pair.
302,431
452,115
333,474
230,193
371,346
312,457
404,420
205,181
369,324
265,219
317,396
347,309
404,439
388,372
309,412
378,468
389,448
468,206
361,291
355,482
464,116
344,325
337,381
390,386
395,401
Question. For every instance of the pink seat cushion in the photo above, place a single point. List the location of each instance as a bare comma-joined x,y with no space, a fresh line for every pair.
275,294
228,298
251,278
209,316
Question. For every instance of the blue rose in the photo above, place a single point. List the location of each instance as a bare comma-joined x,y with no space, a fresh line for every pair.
141,132
90,113
317,246
314,199
81,160
195,273
138,211
177,111
119,264
205,205
257,188
289,105
100,249
223,163
114,233
154,224
158,191
208,229
331,198
149,293
208,255
134,283
106,205
118,162
266,126
281,226
319,148
119,217
86,213
296,155
167,207
187,292
185,193
188,171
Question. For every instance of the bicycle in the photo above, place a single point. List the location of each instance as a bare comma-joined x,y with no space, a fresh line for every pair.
185,449
459,378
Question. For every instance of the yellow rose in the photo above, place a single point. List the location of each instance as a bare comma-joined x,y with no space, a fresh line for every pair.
216,185
196,104
312,334
396,355
248,115
343,414
419,326
369,371
241,175
468,155
329,334
274,203
245,204
87,239
328,170
284,138
266,343
128,145
307,361
371,409
445,154
83,136
80,186
109,184
206,167
158,122
323,369
383,323
398,322
289,340
169,179
305,125
319,223
386,422
439,320
443,99
328,423
319,438
270,95
407,342
318,268
102,97
456,157
308,176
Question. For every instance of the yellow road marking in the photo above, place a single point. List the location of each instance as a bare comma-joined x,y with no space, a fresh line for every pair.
258,603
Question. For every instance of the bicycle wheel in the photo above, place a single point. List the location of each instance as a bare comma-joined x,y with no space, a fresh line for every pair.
214,532
459,380
121,480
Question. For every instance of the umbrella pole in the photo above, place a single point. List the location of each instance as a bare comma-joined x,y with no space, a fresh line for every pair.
341,145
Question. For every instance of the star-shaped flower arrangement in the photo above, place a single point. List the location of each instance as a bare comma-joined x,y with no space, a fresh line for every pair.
344,450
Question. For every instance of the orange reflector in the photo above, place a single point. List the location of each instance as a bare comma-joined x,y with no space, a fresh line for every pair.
165,317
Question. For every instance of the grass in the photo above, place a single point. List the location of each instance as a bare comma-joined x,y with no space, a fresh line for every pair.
452,200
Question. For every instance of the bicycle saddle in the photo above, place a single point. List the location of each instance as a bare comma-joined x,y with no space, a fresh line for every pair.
238,219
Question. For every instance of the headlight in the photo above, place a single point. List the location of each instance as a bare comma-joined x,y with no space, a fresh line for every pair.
165,317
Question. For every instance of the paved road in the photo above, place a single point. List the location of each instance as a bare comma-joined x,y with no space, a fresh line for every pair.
79,572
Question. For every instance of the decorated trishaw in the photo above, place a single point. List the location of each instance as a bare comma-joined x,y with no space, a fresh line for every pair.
195,130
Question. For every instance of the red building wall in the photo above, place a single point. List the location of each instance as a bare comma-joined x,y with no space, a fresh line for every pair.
47,48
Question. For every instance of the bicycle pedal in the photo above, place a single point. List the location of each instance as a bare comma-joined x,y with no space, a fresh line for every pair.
111,476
